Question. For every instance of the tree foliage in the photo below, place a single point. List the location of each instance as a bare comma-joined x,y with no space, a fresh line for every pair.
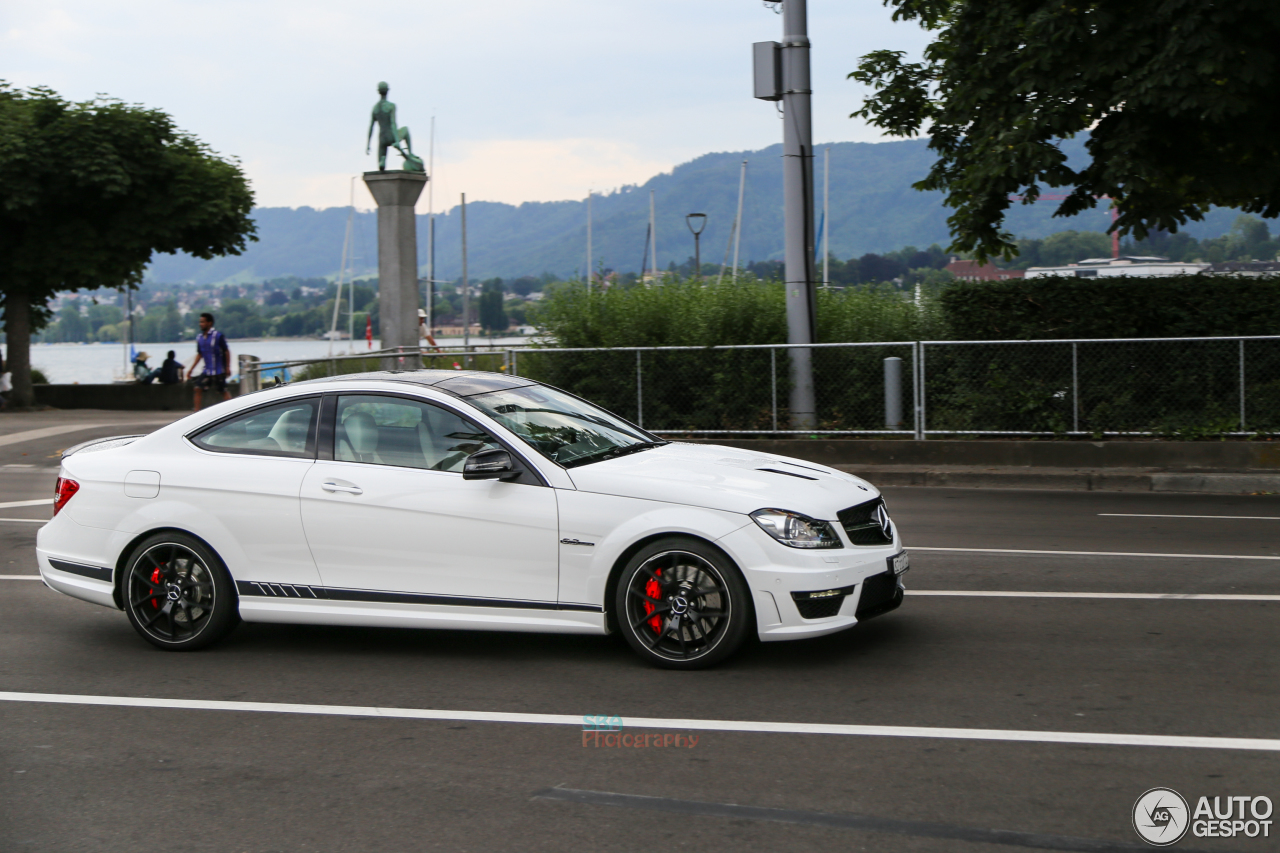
90,191
493,318
1180,100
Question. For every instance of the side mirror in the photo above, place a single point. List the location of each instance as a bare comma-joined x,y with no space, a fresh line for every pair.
490,465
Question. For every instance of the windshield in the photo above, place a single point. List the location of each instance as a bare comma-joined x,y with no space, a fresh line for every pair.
561,427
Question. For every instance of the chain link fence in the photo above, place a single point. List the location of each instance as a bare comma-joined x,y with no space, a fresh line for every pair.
1189,387
1185,387
1178,387
729,390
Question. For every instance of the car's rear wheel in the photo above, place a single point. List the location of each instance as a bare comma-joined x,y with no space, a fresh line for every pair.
681,604
177,593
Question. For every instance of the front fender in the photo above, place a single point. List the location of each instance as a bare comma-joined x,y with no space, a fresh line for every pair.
614,526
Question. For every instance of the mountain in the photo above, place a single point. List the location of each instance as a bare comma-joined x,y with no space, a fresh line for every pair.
873,209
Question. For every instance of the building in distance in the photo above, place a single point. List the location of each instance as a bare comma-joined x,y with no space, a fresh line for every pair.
973,271
1126,265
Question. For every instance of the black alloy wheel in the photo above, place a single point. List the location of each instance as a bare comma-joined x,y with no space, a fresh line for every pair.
177,593
682,604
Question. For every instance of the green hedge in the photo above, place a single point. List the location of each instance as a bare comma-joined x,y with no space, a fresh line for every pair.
1119,307
1186,388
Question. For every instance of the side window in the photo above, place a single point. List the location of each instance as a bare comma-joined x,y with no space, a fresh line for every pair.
285,429
398,431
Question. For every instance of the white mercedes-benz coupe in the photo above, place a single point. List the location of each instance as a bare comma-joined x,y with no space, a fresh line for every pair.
463,500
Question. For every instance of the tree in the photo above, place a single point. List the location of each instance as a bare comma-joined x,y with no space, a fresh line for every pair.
88,192
1180,100
492,316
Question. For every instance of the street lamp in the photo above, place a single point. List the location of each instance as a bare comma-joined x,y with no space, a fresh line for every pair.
696,222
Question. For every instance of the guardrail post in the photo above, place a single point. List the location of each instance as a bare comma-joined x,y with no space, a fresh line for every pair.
250,373
920,394
1075,388
639,393
1242,385
515,366
893,392
773,385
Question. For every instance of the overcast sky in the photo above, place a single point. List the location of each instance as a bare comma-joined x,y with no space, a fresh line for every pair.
534,101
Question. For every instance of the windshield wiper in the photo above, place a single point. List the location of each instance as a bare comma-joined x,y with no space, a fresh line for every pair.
613,453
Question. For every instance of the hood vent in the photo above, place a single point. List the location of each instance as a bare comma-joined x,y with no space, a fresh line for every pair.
787,473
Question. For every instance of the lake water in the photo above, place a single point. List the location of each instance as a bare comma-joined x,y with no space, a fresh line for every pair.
92,364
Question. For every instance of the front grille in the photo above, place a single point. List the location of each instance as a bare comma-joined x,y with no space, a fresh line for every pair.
879,595
862,525
820,604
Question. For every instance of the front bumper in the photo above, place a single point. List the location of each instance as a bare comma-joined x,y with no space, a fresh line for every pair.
781,580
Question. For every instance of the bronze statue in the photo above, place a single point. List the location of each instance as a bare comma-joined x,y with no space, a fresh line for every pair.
390,135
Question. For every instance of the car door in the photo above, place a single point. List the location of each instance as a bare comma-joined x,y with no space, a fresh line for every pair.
390,511
243,487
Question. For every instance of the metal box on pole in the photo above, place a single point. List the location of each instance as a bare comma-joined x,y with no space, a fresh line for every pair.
767,62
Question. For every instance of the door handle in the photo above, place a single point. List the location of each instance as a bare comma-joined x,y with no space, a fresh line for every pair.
334,487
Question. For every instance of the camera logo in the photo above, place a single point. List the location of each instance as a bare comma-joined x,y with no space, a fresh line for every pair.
1160,817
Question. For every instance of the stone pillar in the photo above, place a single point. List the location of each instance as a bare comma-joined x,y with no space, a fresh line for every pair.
396,193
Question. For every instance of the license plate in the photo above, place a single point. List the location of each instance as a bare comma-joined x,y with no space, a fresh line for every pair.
899,563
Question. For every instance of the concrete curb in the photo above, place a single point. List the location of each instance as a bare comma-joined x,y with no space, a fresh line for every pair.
1112,480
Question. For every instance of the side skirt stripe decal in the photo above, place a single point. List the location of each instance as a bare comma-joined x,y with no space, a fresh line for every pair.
263,589
98,574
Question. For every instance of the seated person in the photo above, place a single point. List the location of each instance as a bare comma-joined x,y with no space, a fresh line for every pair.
142,373
169,373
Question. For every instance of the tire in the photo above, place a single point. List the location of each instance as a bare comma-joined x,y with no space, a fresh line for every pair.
681,604
177,593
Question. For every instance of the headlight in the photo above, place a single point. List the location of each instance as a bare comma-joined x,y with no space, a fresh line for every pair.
796,530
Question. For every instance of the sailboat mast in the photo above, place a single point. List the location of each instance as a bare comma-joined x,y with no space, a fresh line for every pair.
431,228
737,228
342,270
653,231
826,217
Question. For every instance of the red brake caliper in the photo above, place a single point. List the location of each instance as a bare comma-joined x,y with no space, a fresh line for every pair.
653,590
155,597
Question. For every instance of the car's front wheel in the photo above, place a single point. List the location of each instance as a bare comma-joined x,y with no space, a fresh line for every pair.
177,593
681,604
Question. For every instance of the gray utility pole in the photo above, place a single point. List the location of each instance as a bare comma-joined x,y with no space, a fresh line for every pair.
782,73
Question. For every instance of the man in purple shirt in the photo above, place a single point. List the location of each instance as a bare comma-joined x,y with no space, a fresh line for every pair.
211,348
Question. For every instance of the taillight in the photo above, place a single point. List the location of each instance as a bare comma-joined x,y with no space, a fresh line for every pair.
63,492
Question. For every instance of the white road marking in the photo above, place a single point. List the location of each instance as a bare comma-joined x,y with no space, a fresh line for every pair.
20,465
1147,596
45,432
27,520
15,504
49,432
1095,553
19,577
1155,515
576,721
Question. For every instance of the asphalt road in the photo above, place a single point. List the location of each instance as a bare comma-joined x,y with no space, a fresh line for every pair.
75,777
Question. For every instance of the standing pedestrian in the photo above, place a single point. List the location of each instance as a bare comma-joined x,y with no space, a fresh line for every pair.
6,383
212,349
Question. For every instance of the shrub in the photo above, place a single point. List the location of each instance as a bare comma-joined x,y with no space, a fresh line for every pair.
708,389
